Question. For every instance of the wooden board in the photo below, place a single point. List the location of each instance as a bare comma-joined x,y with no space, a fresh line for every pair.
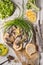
25,59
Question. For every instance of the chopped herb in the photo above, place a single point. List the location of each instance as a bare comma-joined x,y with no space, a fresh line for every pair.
31,4
18,22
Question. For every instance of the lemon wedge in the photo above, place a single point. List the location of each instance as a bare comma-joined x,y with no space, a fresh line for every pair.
3,50
31,15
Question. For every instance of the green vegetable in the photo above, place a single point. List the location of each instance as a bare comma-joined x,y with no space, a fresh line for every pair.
28,4
3,50
34,6
18,22
31,4
6,8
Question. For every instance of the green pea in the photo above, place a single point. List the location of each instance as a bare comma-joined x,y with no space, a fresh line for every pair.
6,8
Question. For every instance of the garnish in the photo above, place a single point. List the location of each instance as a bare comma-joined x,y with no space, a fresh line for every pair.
31,4
24,24
31,15
3,50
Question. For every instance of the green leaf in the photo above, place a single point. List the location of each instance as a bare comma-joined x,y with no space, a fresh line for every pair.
18,22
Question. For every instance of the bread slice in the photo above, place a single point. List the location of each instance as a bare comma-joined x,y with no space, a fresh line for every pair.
30,49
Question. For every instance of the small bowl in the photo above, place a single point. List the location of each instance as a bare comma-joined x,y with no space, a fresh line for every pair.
14,14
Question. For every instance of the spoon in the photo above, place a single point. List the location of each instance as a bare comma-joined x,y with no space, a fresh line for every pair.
9,58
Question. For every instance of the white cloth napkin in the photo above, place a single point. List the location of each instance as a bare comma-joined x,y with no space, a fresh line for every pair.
41,61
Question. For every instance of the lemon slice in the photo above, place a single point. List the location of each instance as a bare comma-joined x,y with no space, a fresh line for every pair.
3,50
31,15
30,49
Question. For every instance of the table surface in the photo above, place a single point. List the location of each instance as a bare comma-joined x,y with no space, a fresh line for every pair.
11,52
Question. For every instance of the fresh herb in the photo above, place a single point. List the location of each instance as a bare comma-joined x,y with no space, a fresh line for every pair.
31,4
18,22
28,4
